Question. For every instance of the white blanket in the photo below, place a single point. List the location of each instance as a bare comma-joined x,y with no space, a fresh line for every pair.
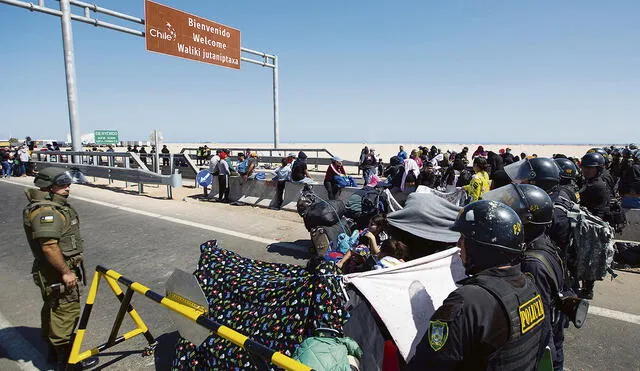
406,296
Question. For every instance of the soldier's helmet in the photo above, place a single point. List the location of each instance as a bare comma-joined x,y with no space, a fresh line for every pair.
50,176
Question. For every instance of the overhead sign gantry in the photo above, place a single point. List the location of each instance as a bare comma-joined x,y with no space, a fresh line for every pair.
168,31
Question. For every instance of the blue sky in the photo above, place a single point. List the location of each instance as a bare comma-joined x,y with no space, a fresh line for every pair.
406,71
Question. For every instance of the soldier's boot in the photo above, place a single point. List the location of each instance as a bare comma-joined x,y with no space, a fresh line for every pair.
63,357
587,290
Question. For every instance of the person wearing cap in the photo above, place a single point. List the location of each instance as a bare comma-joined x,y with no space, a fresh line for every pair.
52,228
252,164
224,171
299,171
335,169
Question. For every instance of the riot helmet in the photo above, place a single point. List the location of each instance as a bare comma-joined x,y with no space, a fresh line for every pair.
532,204
568,170
492,235
50,176
632,146
601,151
540,171
592,159
616,152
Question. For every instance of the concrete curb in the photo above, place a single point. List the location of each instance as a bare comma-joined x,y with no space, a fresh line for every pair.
632,231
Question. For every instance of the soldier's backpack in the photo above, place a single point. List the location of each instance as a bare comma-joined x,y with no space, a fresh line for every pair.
591,241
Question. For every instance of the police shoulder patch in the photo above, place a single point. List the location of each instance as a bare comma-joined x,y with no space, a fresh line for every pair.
46,219
438,334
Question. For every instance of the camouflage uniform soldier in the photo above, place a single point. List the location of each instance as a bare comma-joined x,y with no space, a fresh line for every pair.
53,232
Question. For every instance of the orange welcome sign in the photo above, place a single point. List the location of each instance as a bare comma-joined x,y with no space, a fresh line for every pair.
174,32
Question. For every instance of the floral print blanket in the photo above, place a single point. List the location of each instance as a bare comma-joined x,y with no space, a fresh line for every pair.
277,305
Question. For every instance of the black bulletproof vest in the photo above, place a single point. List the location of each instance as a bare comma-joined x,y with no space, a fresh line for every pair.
526,314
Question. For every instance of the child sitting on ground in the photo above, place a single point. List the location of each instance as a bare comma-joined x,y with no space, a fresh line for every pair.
368,254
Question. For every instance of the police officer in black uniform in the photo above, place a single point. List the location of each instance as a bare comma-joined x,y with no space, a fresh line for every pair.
546,173
605,175
553,177
535,208
616,164
567,186
495,319
630,180
596,197
540,171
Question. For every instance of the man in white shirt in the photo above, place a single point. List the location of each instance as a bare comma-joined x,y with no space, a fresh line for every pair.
23,156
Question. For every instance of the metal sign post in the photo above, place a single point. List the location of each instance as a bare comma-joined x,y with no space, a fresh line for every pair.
70,71
67,16
156,138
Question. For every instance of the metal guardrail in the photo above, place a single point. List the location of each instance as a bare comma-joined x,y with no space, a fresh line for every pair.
274,155
124,166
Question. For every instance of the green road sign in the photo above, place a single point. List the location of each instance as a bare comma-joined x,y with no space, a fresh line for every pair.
106,136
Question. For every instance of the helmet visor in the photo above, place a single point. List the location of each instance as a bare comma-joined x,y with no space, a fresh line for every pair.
509,195
520,171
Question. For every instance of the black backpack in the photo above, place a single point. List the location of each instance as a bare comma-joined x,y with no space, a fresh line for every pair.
465,178
307,197
364,204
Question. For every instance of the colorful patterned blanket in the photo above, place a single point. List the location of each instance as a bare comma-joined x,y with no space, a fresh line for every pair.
278,305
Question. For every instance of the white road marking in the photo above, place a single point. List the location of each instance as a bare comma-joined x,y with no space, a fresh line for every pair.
167,218
18,348
614,314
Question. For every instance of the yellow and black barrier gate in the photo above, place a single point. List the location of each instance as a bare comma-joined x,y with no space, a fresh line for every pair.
197,314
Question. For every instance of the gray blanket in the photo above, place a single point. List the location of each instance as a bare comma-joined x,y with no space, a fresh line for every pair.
428,216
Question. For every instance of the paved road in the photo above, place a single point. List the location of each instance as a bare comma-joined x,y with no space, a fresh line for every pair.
127,233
